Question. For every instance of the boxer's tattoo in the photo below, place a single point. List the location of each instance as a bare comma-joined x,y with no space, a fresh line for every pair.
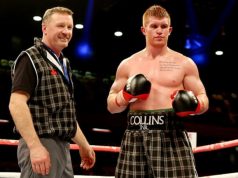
168,65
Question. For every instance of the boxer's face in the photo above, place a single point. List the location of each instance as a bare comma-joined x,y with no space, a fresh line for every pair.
157,30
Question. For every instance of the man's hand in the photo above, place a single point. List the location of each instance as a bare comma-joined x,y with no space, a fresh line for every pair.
88,158
40,160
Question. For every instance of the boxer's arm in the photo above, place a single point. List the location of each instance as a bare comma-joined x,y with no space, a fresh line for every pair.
192,82
115,100
204,102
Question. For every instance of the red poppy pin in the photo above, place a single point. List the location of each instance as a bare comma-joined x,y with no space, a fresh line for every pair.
53,72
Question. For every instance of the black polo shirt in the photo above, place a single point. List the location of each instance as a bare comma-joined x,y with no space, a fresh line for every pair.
24,75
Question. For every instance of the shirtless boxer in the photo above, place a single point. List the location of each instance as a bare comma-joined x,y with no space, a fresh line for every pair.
160,86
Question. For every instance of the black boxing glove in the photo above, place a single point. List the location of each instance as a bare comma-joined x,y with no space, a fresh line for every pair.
137,87
185,103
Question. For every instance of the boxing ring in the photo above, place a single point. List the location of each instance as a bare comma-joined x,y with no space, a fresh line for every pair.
115,149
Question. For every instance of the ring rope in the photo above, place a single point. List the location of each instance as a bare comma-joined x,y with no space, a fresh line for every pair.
216,146
205,148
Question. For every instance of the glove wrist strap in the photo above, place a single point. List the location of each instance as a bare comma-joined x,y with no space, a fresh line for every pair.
119,100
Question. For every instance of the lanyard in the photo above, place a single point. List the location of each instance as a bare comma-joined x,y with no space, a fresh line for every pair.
62,63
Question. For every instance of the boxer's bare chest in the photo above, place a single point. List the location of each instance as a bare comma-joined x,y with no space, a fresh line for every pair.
164,71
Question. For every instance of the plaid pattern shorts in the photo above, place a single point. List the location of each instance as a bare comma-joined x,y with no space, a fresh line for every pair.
164,152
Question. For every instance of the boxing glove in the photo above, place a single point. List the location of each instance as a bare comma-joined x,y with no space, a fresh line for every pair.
137,87
185,103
